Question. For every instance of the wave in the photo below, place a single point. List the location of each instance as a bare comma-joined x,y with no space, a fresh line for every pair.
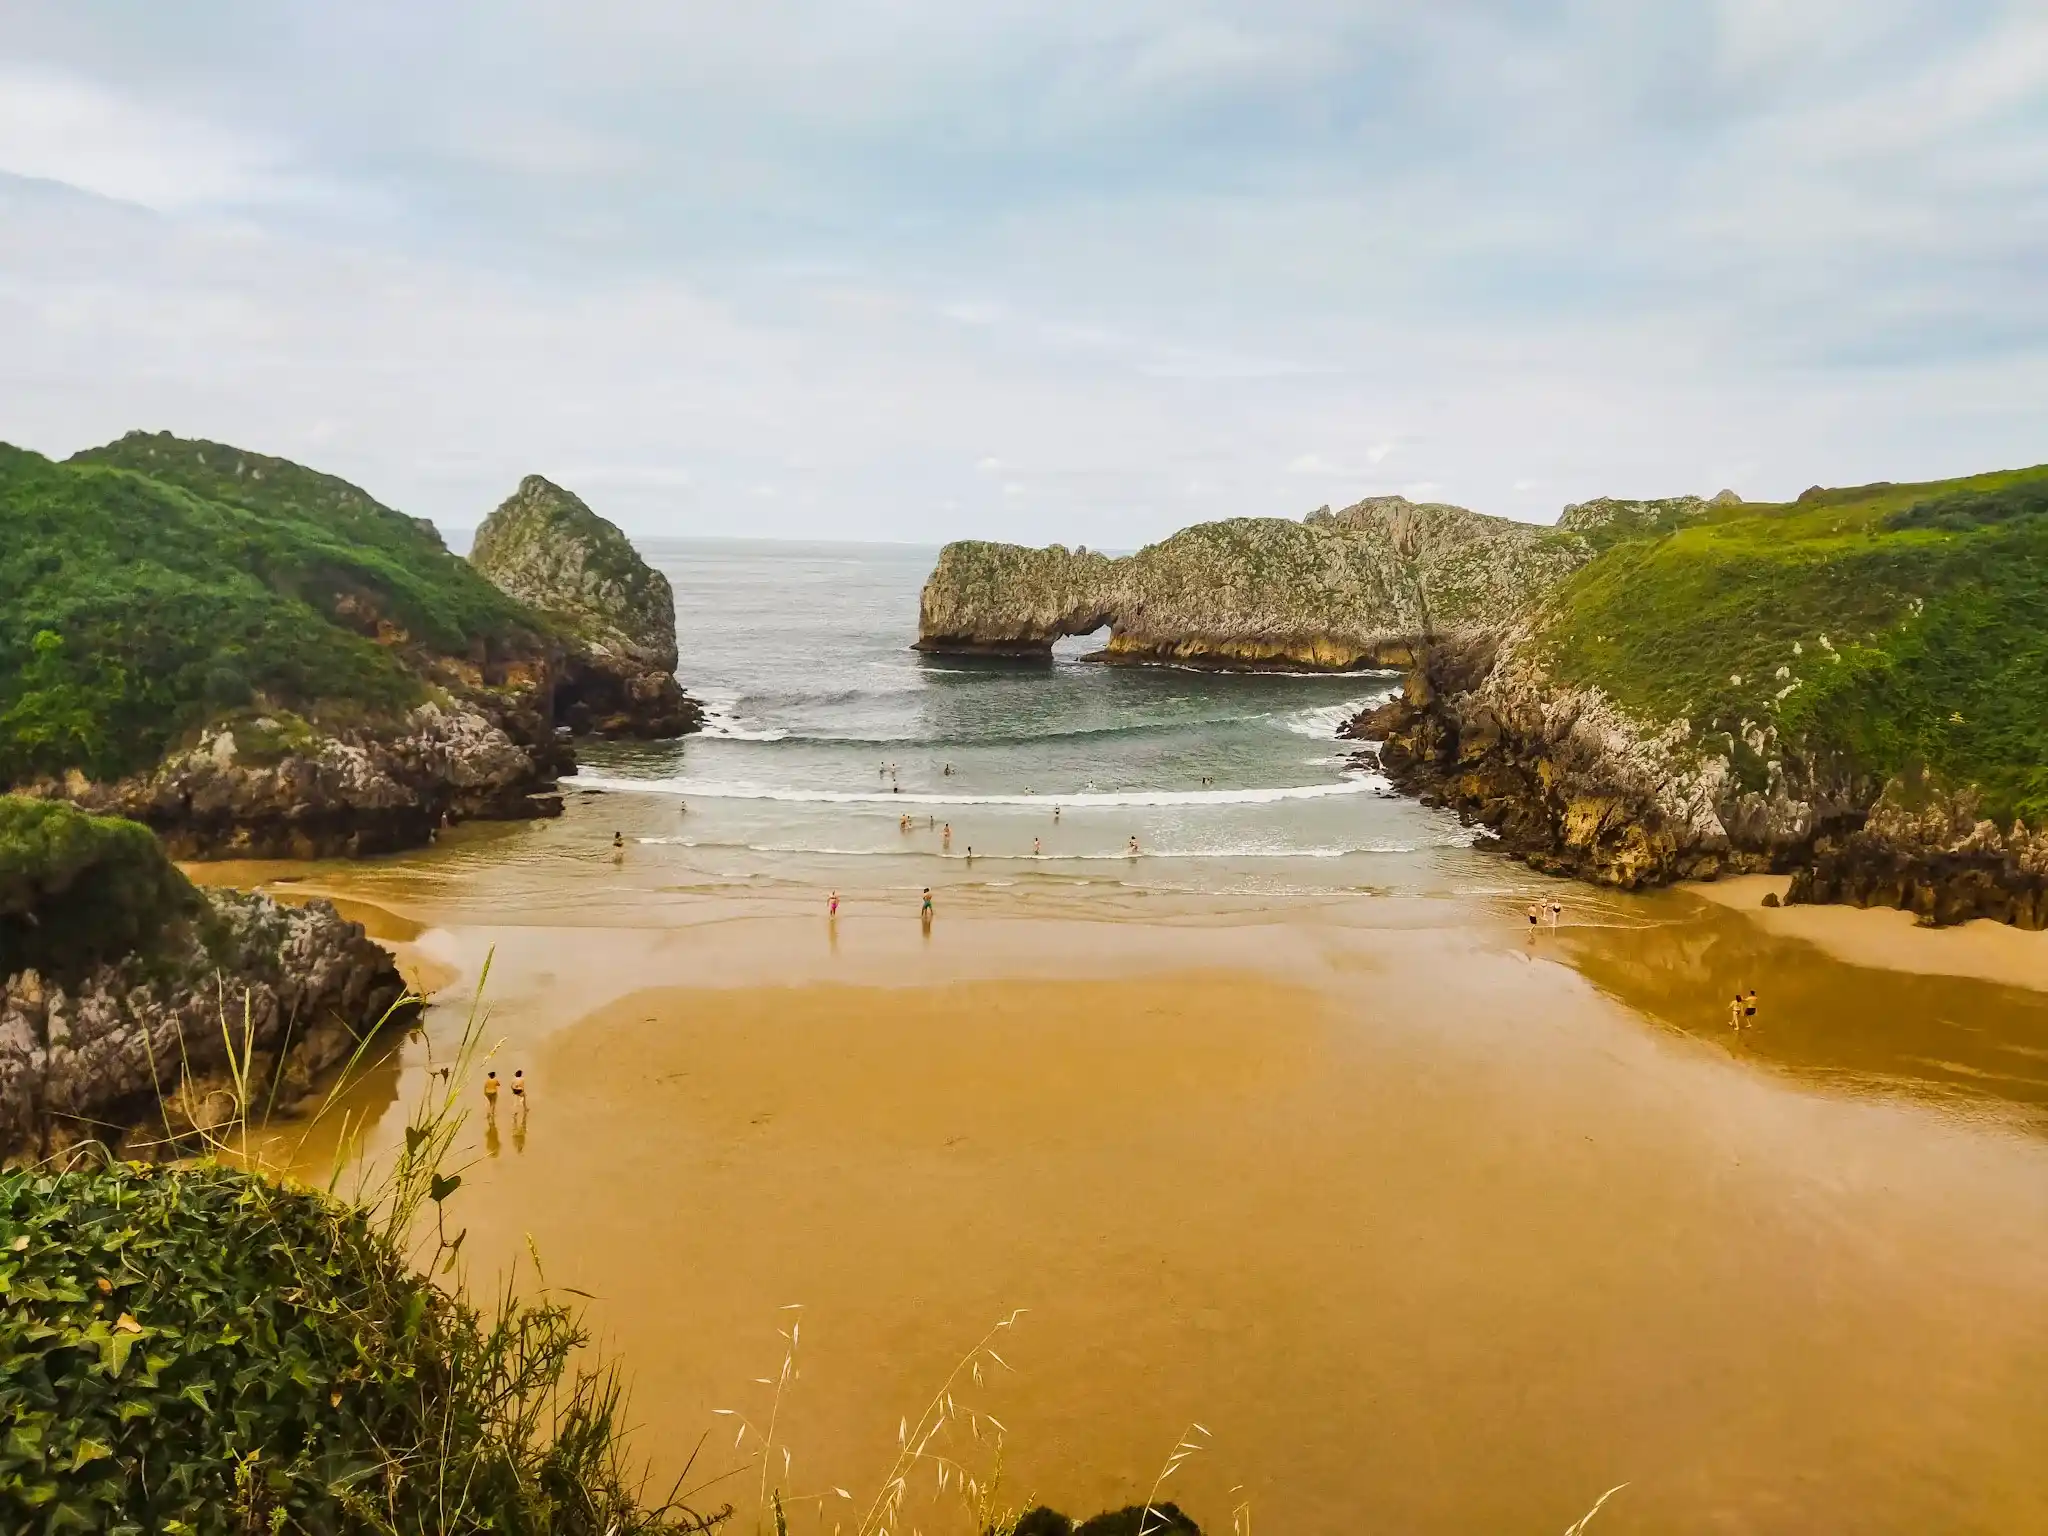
1322,721
1360,784
1048,858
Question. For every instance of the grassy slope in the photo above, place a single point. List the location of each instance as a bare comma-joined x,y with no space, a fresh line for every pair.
1934,598
135,607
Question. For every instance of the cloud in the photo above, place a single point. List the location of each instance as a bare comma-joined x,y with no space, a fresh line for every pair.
838,246
57,127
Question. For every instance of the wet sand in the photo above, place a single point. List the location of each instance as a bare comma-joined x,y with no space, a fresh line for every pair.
1437,1226
1890,939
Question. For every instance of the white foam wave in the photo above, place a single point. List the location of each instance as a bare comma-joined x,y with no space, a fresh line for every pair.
959,854
1359,784
722,718
1322,721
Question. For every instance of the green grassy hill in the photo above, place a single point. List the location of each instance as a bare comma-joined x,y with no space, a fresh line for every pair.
1896,627
157,584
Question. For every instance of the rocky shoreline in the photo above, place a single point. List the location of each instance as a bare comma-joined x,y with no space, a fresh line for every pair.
1562,779
344,796
131,1051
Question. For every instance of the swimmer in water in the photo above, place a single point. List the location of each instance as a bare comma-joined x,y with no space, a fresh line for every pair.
947,836
1055,813
1035,849
1133,849
618,839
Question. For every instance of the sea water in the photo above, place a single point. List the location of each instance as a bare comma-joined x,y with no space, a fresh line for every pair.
825,729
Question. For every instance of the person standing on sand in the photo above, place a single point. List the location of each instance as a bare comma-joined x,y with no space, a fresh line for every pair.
1749,1010
1535,915
519,1092
926,912
832,905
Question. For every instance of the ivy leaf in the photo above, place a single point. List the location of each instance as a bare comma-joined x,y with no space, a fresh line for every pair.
89,1450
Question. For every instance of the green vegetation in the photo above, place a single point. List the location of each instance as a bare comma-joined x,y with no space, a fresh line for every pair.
201,1349
156,585
76,890
1899,627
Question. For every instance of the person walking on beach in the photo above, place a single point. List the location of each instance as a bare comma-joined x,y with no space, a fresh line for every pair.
1556,913
832,905
926,911
1035,849
491,1095
1535,915
519,1093
1749,1010
1735,1014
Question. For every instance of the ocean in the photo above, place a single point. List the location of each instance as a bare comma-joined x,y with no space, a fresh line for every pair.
826,730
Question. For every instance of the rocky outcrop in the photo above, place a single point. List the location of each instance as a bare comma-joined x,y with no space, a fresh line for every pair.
1937,858
616,613
1337,591
266,788
1563,779
135,1044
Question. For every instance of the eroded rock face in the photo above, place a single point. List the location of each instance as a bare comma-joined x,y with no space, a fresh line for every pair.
544,546
335,796
1338,591
133,1043
1573,785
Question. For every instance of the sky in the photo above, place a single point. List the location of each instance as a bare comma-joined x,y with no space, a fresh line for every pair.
1032,269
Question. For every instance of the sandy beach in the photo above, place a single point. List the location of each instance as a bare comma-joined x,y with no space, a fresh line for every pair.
1437,1225
1889,939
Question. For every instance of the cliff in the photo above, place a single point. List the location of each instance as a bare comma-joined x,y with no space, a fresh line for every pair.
1851,688
1342,590
117,977
617,614
255,658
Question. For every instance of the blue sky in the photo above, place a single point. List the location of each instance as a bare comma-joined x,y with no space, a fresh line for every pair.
916,269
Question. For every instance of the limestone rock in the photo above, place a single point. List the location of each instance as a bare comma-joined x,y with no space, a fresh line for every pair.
544,546
1337,591
136,1042
346,795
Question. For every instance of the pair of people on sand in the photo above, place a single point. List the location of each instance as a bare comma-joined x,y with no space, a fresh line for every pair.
1742,1011
491,1090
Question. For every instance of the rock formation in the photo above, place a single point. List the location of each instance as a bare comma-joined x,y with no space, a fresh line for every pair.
617,614
116,976
235,794
1334,592
1565,780
255,658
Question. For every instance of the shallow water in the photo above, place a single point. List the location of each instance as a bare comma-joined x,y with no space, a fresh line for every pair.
1289,1126
826,730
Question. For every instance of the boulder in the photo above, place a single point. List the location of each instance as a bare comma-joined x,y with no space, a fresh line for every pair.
615,612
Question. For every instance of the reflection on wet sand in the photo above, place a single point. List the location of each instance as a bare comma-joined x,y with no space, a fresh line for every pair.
1680,960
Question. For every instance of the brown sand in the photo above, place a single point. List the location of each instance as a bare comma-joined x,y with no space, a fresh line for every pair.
1889,939
1431,1234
